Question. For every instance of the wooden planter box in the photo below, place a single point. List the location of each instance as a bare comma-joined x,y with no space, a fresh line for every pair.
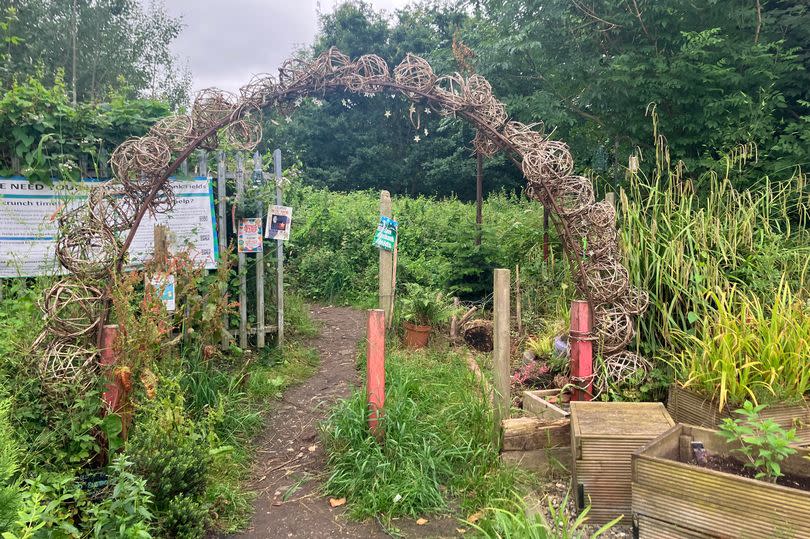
603,437
672,498
688,407
542,442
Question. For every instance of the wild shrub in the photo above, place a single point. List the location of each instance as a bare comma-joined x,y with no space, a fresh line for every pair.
169,451
437,443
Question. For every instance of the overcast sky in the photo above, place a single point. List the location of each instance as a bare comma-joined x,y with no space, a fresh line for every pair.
226,41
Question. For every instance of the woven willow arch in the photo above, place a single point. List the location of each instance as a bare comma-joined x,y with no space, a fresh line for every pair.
142,166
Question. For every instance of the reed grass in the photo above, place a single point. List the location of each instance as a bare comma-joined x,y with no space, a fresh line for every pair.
749,350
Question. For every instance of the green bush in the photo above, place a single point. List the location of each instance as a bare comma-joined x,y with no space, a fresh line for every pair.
9,463
169,452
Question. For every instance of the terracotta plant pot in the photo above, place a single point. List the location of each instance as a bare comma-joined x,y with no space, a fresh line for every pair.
416,336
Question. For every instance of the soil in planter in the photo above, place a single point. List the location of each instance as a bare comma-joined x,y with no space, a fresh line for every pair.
734,466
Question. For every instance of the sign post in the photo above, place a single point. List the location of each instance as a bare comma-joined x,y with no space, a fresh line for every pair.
279,251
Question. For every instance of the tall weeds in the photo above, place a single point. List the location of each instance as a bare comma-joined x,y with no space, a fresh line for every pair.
748,350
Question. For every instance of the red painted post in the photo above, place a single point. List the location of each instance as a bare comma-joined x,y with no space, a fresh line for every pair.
113,393
375,368
581,350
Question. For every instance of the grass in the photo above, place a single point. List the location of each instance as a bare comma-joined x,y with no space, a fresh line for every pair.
511,519
231,396
749,350
437,455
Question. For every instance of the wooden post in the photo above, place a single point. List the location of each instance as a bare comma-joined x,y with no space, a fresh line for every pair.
107,358
375,369
518,302
545,233
454,321
279,252
581,350
202,163
386,293
610,198
161,241
386,262
500,353
103,158
389,322
222,230
479,196
258,176
240,196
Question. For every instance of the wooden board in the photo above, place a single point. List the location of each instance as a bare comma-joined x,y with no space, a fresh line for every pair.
709,503
536,403
690,408
542,461
525,433
603,437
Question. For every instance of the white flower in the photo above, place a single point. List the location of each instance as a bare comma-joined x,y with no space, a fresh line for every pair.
426,132
393,96
317,102
427,111
288,119
416,138
412,108
387,113
298,102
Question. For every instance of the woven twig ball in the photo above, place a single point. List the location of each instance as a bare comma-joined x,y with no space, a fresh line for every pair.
414,74
613,327
72,308
606,280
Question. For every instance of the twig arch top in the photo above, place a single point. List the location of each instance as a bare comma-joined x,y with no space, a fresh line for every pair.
143,165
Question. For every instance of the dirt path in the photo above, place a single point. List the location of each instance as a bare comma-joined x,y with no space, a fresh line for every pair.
291,462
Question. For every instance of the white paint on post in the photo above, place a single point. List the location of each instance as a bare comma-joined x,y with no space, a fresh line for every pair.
240,201
500,354
222,230
279,252
257,174
386,293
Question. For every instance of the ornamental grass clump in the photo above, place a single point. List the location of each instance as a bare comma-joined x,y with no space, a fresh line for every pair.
749,350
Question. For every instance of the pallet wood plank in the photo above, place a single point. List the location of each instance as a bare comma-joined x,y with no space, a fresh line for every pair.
524,433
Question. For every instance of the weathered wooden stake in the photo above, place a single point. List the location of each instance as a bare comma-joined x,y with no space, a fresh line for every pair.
222,231
454,320
479,196
389,322
108,358
518,302
240,201
501,342
375,369
279,252
581,350
257,173
386,294
545,233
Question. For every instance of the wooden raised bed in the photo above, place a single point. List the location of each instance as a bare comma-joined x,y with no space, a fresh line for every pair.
603,437
541,442
688,407
672,498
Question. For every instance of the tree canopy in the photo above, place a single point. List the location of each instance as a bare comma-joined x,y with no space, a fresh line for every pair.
101,46
726,79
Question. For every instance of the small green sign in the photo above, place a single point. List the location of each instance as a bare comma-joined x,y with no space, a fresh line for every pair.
386,235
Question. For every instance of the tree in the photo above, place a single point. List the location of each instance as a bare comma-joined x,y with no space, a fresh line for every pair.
353,141
721,74
100,45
